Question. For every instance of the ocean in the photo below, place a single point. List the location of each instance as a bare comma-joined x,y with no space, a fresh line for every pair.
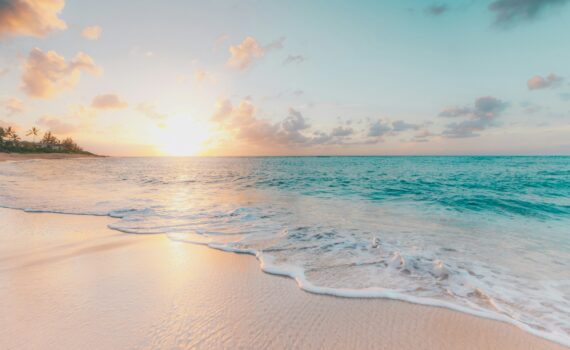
489,236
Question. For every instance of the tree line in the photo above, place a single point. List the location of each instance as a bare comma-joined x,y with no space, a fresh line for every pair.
10,141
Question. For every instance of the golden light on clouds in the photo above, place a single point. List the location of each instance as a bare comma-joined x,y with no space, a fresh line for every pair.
46,74
30,17
92,32
14,105
108,101
243,55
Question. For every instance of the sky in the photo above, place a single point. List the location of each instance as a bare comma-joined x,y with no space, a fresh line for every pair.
261,77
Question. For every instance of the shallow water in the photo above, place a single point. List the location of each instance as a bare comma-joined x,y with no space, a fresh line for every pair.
484,235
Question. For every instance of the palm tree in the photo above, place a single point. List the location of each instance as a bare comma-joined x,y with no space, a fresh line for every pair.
34,132
9,131
10,134
49,140
2,135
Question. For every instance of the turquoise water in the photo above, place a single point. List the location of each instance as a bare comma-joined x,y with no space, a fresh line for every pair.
484,235
526,186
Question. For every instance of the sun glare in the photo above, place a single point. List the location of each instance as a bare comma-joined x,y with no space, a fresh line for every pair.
182,136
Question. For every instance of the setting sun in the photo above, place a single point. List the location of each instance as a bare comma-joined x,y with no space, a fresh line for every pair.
181,136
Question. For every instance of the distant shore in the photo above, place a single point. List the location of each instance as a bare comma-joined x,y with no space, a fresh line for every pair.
26,156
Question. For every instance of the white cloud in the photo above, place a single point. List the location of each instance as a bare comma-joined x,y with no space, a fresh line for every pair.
92,32
47,74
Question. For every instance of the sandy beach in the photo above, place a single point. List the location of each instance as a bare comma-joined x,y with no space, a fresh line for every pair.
27,156
68,282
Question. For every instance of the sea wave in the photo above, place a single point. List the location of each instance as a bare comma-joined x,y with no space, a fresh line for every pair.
366,228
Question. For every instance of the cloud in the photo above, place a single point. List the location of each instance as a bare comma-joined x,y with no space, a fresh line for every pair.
92,32
401,126
294,59
108,101
243,55
452,112
242,125
14,106
294,121
30,17
509,12
149,110
3,72
423,136
537,82
4,124
47,74
436,9
203,76
56,125
482,116
378,129
342,131
565,96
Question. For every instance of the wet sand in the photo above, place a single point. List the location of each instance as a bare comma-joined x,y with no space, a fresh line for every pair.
68,282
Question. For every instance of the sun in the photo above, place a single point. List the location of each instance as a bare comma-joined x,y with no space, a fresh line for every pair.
182,136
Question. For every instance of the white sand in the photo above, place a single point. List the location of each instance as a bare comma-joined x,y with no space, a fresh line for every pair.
67,282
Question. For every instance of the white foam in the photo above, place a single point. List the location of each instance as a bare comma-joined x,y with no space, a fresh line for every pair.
298,275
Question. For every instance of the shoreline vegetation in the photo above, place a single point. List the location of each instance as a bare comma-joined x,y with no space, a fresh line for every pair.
10,142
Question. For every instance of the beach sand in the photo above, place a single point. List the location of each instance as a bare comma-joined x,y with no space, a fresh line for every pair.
26,156
68,282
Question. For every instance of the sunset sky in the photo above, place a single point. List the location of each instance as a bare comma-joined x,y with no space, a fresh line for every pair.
290,77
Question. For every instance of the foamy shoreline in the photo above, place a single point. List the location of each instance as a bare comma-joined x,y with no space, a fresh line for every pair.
66,279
